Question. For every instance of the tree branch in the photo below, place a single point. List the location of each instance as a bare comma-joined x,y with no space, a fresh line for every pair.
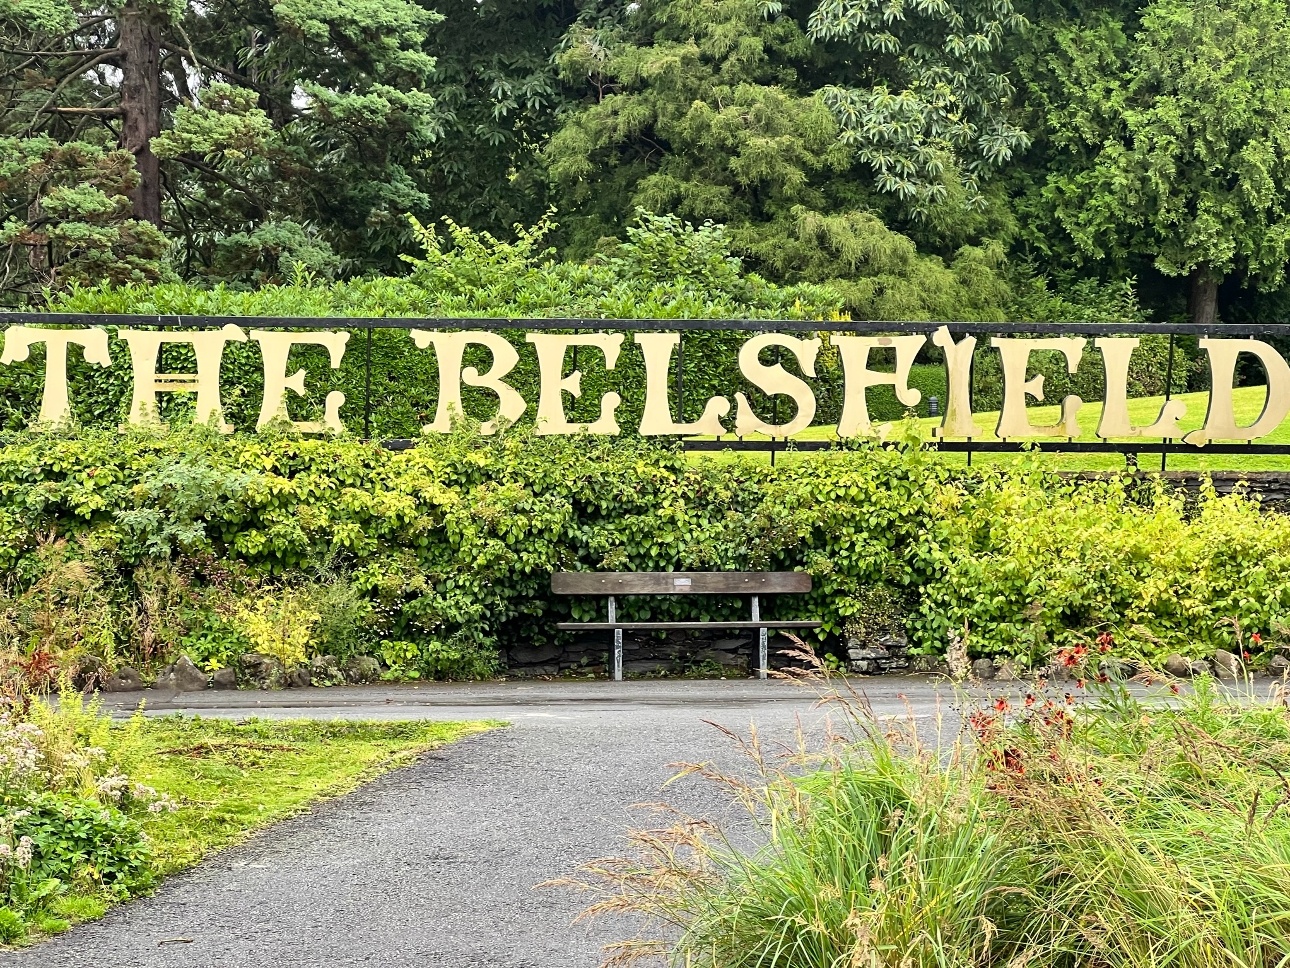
209,64
57,110
218,175
56,53
67,79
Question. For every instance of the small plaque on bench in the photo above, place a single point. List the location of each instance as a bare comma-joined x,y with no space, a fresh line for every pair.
682,581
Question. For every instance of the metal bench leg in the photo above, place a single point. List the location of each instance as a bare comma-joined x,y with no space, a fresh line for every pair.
618,641
761,639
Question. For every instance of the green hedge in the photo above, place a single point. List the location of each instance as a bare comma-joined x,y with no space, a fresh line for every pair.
666,269
137,546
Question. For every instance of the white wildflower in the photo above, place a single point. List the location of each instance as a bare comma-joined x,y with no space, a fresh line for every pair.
23,854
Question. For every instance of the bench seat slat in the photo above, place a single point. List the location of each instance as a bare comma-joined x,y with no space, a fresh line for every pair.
643,626
680,582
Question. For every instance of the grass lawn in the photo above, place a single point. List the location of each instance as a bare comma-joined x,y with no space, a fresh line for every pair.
231,779
1248,404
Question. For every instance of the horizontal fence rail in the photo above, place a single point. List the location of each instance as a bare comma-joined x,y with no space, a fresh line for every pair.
494,324
957,329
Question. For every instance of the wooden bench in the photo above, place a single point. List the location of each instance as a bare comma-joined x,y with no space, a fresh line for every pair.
615,583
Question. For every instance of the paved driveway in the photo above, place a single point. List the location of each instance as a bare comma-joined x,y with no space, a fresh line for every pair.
436,865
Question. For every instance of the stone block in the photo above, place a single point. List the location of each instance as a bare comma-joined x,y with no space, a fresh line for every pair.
263,671
299,677
1227,665
362,668
324,670
525,655
182,676
125,679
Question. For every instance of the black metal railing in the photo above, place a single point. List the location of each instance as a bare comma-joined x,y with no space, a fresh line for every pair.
775,445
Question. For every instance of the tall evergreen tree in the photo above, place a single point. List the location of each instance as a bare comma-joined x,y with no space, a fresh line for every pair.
267,132
728,110
1166,140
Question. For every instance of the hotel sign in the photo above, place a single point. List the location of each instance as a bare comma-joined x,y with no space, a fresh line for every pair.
721,415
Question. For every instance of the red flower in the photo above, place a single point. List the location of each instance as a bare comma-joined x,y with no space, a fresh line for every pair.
1175,688
1104,642
1256,639
1030,700
1012,761
1002,705
1245,656
1081,683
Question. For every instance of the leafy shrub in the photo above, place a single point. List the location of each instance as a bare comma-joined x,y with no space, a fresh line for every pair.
928,378
58,601
435,557
76,840
348,622
68,809
214,643
1034,563
666,269
279,625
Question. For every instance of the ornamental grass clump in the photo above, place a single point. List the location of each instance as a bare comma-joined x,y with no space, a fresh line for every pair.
1095,828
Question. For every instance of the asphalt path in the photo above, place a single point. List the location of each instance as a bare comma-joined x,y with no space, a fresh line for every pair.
438,865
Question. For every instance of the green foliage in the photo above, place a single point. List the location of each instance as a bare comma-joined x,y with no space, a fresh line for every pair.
1167,138
727,112
879,273
1033,563
934,109
692,108
904,152
330,120
280,626
68,814
928,379
435,558
1045,817
75,839
67,219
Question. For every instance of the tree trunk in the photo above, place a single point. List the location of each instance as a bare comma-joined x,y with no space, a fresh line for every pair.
140,47
1203,302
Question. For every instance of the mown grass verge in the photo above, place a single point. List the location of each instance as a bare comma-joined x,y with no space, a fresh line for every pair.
1247,404
195,786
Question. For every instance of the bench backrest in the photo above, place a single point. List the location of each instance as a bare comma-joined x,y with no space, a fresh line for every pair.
680,582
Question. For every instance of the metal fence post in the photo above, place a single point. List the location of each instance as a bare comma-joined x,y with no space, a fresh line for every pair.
1169,389
618,640
761,639
367,387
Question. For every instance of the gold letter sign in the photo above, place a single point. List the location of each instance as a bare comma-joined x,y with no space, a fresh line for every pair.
449,349
657,351
208,346
54,406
